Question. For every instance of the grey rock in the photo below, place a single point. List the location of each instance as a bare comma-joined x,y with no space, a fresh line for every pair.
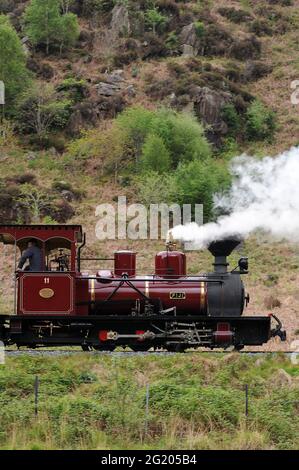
107,89
188,37
188,51
209,104
115,77
120,23
130,90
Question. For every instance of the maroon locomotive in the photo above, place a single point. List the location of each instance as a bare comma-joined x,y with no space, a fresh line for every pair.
59,304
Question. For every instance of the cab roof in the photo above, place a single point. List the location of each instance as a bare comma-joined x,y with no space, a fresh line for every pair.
10,234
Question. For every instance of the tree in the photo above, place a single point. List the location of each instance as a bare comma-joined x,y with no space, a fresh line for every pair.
155,19
182,134
35,200
69,30
13,71
197,182
45,25
136,122
260,121
155,188
41,108
155,155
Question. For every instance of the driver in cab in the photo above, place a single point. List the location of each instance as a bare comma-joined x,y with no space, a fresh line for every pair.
33,254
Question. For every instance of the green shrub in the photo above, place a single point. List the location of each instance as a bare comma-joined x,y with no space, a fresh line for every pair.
41,109
155,188
155,155
231,118
183,135
13,70
154,19
172,41
199,28
198,181
73,88
261,121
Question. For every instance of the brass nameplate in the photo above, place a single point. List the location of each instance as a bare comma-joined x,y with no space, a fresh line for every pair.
177,295
46,293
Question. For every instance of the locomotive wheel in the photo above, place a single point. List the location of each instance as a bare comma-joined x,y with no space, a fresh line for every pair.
142,347
176,348
108,347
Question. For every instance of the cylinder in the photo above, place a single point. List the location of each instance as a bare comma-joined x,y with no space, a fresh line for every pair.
124,263
170,264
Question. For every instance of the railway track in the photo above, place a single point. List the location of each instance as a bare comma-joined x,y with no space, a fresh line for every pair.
67,352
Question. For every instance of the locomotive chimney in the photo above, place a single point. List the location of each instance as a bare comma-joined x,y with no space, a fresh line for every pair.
221,249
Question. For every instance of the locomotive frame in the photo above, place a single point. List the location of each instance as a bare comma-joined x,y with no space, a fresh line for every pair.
168,309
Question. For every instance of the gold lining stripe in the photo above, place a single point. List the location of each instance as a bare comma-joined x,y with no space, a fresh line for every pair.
147,288
202,290
92,290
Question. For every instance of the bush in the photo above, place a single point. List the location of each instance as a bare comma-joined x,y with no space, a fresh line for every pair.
236,16
199,29
155,19
261,121
155,188
155,155
182,135
73,88
248,48
40,109
13,70
198,181
172,41
231,118
261,28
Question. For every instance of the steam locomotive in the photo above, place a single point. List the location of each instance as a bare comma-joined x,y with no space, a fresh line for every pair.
64,305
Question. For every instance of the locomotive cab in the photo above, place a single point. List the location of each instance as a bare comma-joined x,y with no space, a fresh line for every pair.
51,290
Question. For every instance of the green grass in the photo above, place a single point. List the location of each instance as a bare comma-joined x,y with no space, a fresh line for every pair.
196,402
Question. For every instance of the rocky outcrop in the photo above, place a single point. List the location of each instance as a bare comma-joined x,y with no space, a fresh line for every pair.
208,106
120,23
189,39
112,84
107,89
188,51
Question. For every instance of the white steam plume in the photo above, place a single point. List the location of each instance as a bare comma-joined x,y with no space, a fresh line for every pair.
264,196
